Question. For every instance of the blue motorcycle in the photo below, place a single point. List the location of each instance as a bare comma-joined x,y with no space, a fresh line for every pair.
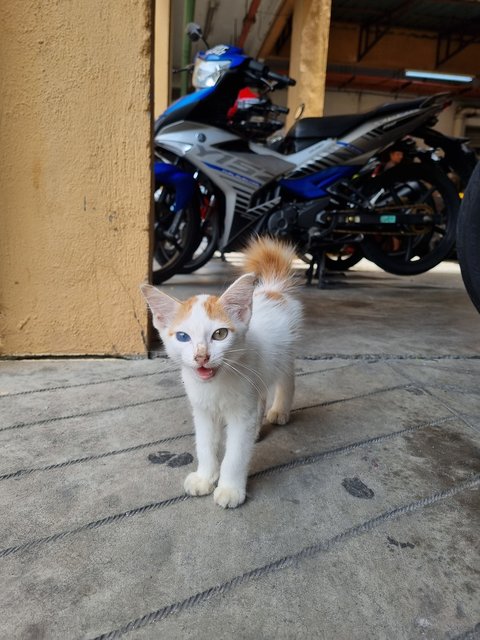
314,187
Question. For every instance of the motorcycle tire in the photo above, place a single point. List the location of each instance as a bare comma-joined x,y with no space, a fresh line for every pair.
210,234
468,238
404,254
171,254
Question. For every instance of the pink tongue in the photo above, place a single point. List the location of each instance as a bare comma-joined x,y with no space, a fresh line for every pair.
205,373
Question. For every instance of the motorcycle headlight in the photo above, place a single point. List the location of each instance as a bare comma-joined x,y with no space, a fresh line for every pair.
208,73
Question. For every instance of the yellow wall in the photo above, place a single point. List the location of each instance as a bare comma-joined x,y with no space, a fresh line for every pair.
308,56
74,176
162,57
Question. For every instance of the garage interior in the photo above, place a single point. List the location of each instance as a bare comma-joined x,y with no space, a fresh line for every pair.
371,46
362,514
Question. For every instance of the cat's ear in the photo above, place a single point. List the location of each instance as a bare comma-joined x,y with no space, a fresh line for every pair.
237,299
163,307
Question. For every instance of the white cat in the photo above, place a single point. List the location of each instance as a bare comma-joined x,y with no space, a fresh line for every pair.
234,350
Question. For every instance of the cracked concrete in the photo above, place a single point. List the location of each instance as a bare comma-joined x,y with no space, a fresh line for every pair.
362,515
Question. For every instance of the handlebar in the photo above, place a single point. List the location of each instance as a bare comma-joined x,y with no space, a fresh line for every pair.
262,72
276,77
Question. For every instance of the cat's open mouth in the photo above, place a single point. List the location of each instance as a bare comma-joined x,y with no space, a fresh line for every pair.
206,374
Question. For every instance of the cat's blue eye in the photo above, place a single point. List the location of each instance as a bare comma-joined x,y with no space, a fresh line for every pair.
220,334
182,337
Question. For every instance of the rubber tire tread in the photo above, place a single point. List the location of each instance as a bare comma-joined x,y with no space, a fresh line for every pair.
201,260
468,237
191,243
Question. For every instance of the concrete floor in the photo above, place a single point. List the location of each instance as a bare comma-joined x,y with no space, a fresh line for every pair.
363,514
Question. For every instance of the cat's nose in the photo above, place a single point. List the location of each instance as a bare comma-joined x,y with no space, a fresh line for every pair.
201,356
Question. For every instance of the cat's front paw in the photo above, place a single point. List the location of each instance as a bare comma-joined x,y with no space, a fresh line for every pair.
228,497
277,417
197,485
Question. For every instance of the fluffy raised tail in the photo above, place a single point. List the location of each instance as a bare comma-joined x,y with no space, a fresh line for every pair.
271,261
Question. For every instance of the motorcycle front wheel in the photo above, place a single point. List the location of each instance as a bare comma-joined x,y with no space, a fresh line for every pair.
210,234
468,242
412,249
176,234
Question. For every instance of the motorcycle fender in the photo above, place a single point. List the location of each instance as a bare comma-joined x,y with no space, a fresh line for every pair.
181,181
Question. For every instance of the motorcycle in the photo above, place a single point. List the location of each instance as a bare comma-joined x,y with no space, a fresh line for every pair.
316,188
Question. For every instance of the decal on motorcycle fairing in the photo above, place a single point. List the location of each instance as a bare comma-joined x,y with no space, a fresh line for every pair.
231,173
349,146
219,50
316,185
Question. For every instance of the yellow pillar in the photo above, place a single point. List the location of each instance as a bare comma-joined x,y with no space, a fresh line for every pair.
75,172
308,56
162,57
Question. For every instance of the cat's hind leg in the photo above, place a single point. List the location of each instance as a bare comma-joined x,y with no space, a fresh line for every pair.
207,436
279,413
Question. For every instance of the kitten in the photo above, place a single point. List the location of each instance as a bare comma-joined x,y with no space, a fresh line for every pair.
235,351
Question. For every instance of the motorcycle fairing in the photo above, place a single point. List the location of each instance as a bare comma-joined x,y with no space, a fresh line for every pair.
171,176
238,174
222,53
185,103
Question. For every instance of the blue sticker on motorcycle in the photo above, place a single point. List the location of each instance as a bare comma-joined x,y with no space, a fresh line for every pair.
315,185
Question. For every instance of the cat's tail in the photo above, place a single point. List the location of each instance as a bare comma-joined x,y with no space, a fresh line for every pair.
271,261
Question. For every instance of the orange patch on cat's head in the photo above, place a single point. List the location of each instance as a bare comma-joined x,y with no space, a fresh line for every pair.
274,295
184,310
215,310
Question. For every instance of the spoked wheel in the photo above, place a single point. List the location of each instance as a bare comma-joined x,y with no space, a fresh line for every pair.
412,249
345,257
176,234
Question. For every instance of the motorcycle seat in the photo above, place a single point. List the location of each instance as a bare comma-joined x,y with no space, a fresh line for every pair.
308,131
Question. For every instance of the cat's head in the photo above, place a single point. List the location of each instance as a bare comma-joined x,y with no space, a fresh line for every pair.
205,332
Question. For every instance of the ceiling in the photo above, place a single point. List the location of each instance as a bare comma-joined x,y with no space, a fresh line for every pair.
264,26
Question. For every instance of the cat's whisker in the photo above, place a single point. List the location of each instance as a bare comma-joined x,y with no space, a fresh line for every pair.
261,391
255,373
245,377
243,350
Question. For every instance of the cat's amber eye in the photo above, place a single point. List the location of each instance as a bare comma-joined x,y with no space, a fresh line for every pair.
182,337
220,334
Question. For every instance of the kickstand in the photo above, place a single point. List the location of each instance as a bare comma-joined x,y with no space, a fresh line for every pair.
317,269
322,281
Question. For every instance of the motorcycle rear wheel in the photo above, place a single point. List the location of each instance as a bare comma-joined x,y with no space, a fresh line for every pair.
468,241
413,251
343,259
173,250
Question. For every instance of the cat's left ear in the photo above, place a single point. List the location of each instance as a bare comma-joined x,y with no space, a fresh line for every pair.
237,299
163,307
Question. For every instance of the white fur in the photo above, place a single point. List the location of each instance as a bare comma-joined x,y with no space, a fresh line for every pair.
255,362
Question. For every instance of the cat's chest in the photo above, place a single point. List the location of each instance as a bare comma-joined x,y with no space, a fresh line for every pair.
222,397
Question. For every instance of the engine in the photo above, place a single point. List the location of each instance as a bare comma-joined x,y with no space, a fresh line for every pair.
296,218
